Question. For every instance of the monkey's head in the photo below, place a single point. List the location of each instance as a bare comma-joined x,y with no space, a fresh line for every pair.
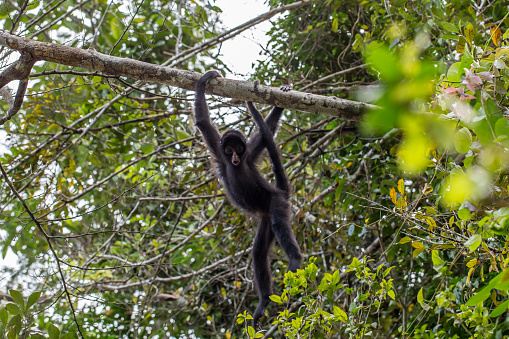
233,143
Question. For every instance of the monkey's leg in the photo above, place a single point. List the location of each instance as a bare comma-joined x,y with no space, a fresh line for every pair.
262,243
281,226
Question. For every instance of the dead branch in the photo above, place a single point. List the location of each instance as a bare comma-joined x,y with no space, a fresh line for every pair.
19,70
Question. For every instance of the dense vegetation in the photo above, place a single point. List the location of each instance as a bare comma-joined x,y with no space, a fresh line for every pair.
402,217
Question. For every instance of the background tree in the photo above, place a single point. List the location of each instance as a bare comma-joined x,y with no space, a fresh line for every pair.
401,217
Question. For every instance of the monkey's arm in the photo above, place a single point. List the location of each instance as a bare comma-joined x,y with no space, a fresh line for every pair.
255,143
268,140
201,114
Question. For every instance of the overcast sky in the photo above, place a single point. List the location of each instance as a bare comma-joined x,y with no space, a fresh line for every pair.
241,52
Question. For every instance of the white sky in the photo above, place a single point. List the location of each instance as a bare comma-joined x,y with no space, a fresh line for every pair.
243,51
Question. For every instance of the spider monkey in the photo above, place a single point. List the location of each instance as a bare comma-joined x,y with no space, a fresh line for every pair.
247,189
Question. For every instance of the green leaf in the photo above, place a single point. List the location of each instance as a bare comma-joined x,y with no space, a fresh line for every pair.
68,336
464,214
17,297
462,140
147,148
474,242
384,62
182,135
335,277
387,271
32,299
449,26
13,309
503,283
417,251
484,293
500,309
450,36
53,331
502,127
12,334
4,316
453,73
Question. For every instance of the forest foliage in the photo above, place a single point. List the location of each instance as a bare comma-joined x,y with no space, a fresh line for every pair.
402,217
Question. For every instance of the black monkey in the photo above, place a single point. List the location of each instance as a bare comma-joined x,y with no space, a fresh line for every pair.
247,189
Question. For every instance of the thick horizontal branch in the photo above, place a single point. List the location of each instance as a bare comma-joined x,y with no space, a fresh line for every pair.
139,70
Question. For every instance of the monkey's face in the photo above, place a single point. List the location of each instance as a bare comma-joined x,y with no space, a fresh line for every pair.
234,152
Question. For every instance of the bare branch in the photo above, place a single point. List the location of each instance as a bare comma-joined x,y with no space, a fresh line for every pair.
19,70
143,71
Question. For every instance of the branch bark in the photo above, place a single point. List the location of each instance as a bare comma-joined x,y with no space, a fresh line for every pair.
134,69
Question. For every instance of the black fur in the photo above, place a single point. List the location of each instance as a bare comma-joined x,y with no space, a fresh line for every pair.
247,188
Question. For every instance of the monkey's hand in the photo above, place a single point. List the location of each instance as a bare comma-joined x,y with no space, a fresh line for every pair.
286,88
210,75
259,313
200,84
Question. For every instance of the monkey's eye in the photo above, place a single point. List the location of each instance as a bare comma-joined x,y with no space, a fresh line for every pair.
239,149
228,150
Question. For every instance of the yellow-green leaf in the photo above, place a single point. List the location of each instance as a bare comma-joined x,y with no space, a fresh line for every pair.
276,299
338,312
469,275
469,33
435,257
472,263
417,251
335,24
431,222
460,47
405,240
250,331
420,297
393,195
496,34
417,244
401,186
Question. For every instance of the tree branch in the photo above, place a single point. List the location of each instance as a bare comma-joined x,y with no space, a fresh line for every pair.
19,70
243,90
